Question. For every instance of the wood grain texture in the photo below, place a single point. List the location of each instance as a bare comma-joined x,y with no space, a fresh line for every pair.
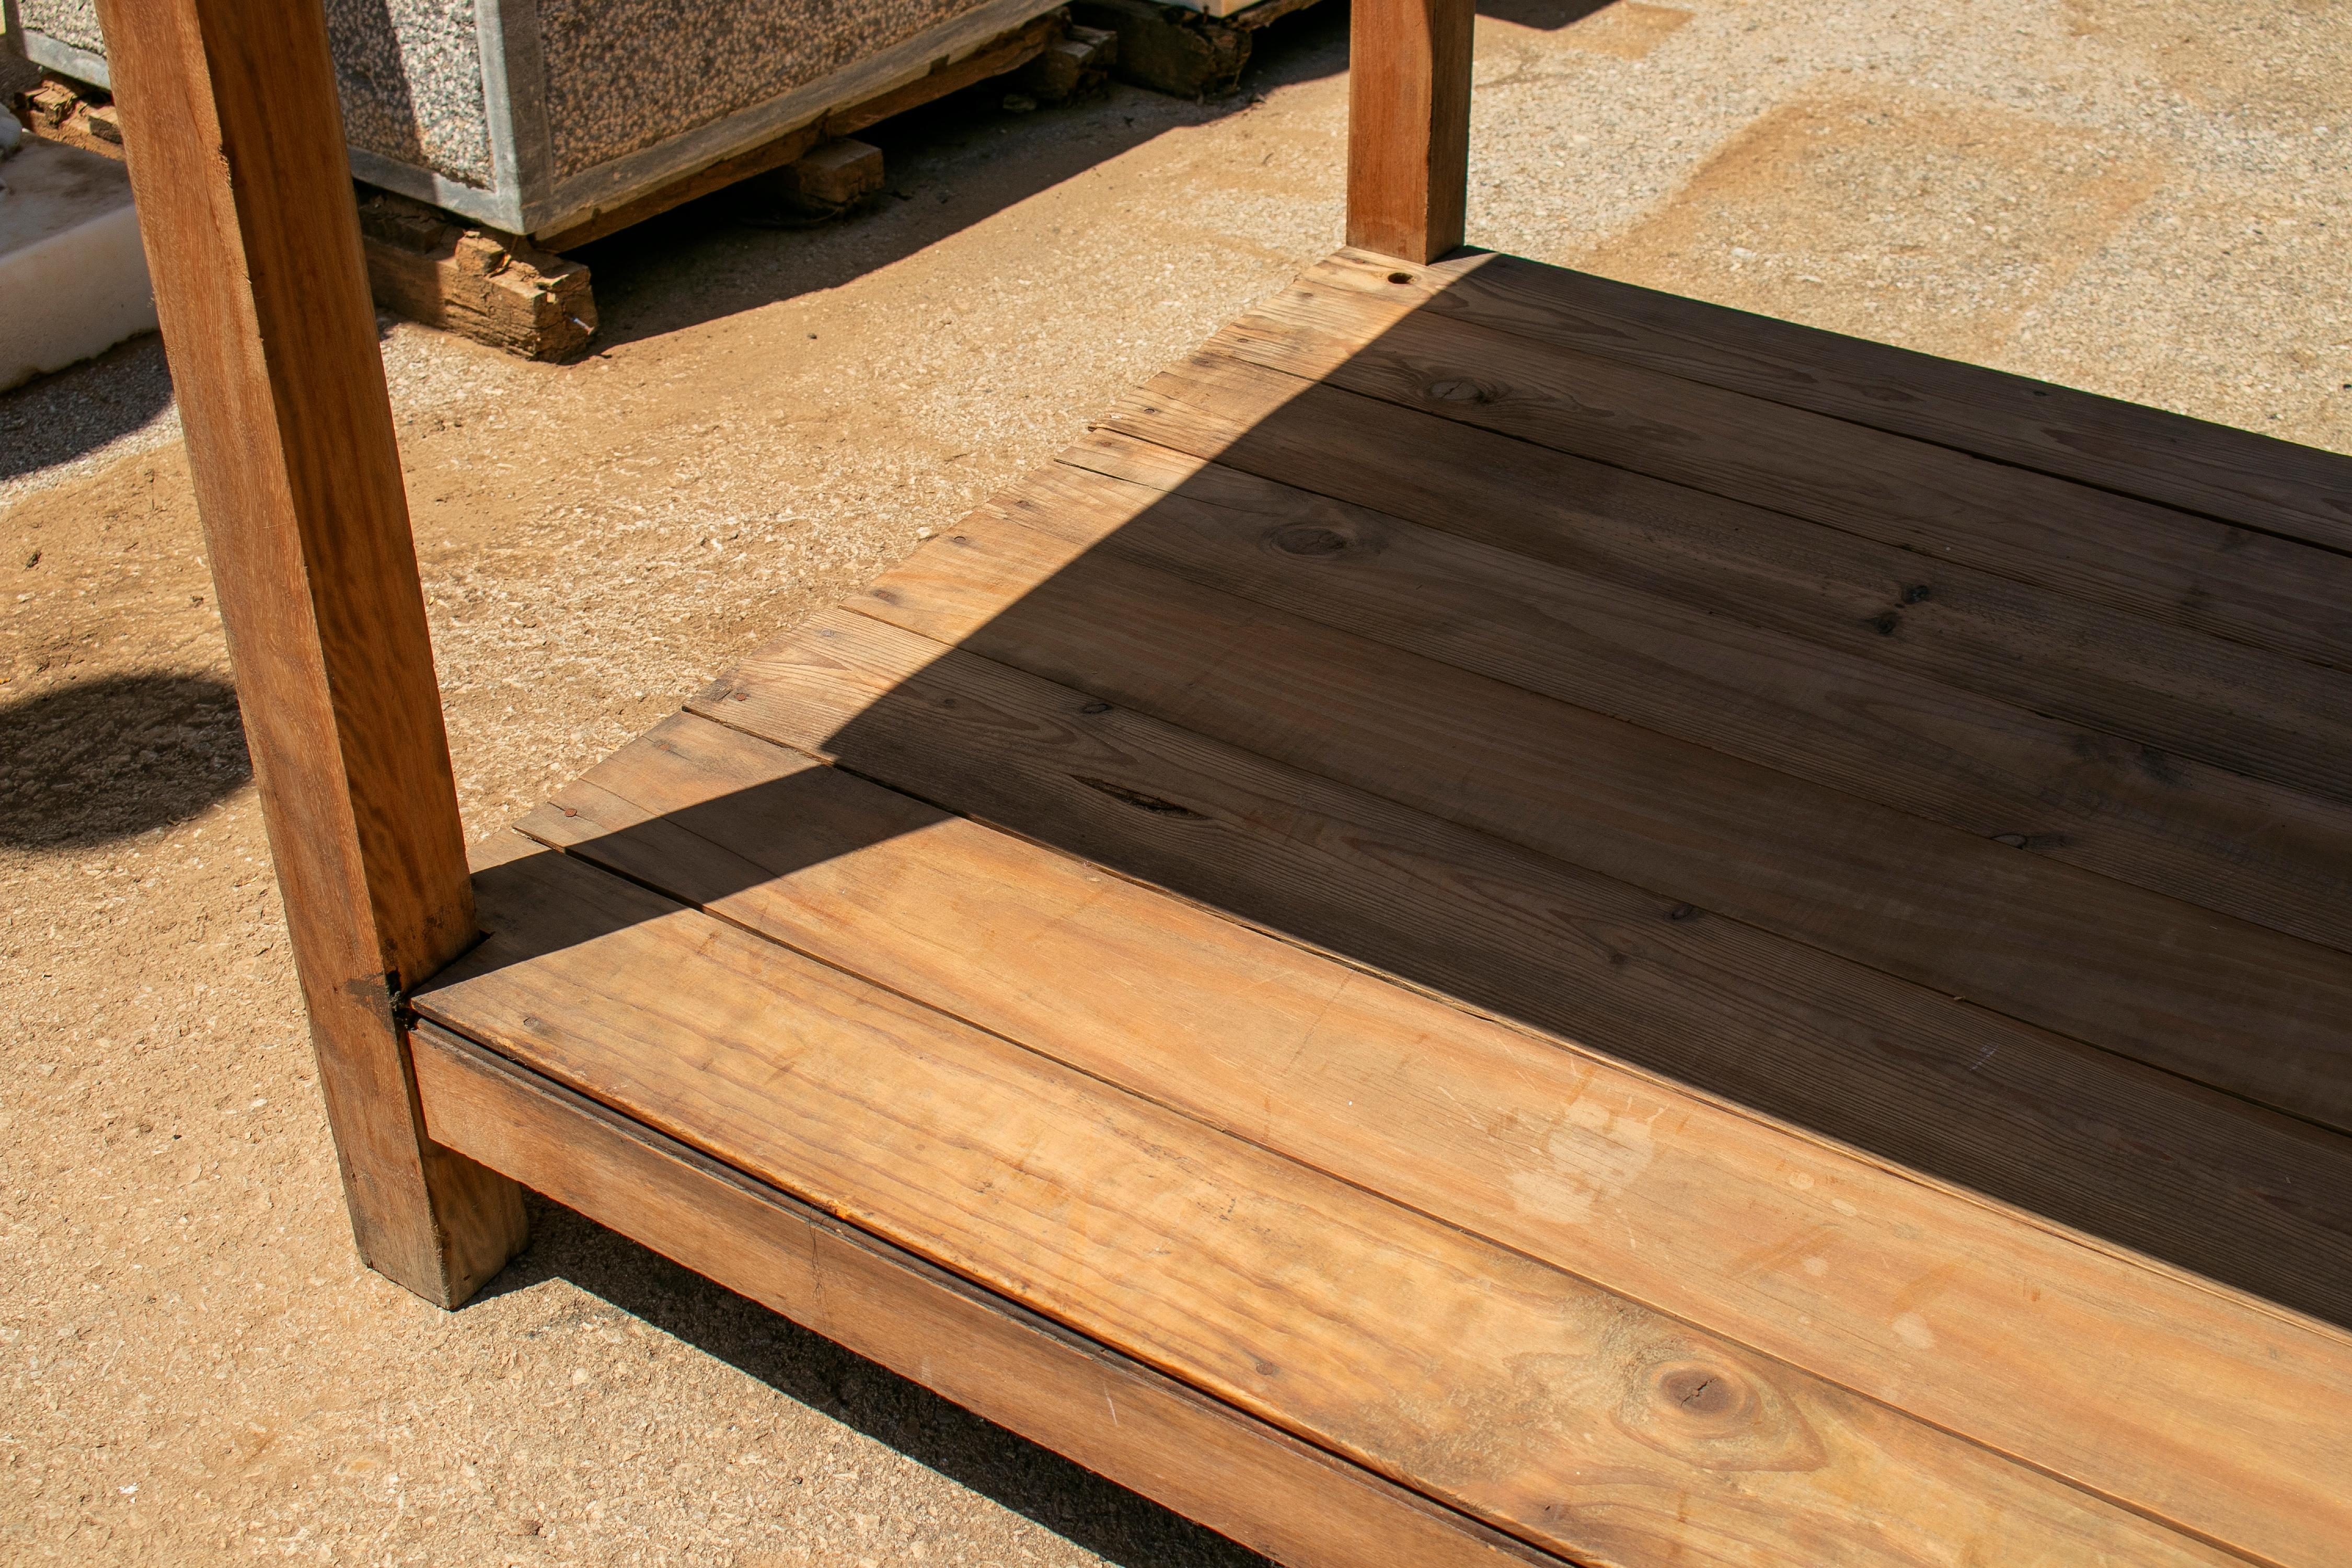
1111,1413
235,148
2169,566
1408,126
2301,492
1382,1336
2227,1003
2172,693
2077,1135
2248,849
1931,1301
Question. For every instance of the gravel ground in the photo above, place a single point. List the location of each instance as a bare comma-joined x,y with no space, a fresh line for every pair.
2145,197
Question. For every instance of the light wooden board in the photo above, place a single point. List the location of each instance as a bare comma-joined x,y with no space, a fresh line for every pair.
2228,1003
1698,1210
1385,1337
2061,1129
2173,693
2169,566
2245,847
1108,1412
2233,475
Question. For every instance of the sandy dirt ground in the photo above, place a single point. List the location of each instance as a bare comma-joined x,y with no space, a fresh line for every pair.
2145,197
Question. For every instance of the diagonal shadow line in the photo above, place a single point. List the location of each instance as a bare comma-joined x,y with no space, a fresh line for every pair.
991,730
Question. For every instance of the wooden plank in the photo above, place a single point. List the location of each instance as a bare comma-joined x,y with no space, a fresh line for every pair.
1007,52
1108,1412
1699,1210
1010,52
2229,1005
785,149
2278,487
236,157
2077,1135
1408,126
2169,566
1530,1398
2180,694
2254,850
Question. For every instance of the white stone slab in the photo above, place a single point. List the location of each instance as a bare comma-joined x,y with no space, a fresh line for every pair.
73,281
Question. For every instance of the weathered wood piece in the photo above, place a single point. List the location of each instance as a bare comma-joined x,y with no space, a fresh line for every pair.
2074,1135
2258,851
495,291
1185,54
237,154
2176,693
1699,1209
836,174
2235,475
2167,566
1072,64
2228,1003
1408,126
1383,1336
1111,1413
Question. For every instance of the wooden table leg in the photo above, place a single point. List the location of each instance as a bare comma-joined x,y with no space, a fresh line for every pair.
1408,126
236,146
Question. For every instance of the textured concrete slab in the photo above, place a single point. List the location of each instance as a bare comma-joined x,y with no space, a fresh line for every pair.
72,276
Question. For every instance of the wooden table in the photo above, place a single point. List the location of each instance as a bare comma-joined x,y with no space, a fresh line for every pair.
1509,918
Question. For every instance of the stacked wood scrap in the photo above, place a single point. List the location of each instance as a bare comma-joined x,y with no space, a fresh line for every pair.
60,110
495,289
1191,52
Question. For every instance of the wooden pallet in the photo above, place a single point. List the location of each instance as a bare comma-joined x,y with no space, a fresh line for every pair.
1509,918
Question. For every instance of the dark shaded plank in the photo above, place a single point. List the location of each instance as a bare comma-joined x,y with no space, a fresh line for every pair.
235,147
2230,1005
2169,566
2247,849
1408,125
1117,1418
2235,475
1704,1212
2078,1135
1567,1415
2179,694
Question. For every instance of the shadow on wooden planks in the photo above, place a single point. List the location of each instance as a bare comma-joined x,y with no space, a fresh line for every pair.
1536,701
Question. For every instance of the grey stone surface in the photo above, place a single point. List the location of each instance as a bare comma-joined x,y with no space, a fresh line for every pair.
624,75
71,22
410,71
411,74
